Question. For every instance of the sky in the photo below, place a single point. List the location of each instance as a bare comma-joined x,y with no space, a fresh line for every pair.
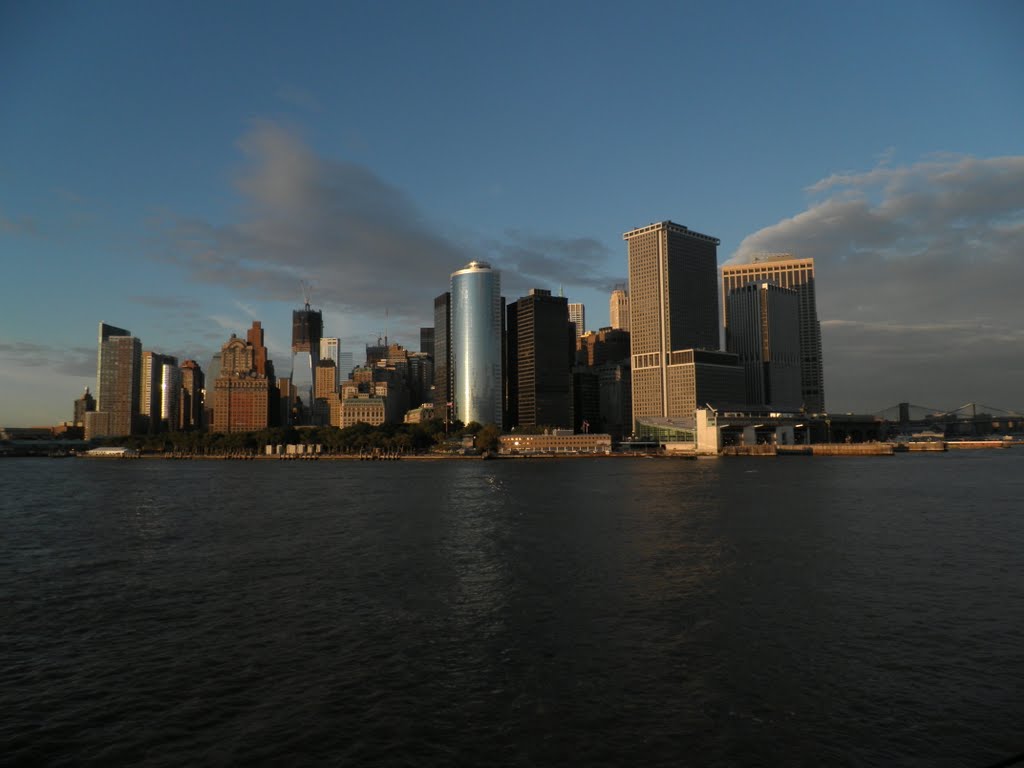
182,169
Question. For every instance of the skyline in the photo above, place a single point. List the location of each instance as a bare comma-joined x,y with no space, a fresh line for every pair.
185,189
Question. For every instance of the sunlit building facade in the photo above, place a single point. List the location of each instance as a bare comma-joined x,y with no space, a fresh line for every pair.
476,343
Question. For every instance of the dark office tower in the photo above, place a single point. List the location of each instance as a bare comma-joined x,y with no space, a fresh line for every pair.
117,383
673,308
83,405
442,355
427,340
190,410
540,345
798,274
307,329
764,330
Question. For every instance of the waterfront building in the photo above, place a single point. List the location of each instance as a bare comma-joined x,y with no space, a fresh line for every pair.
797,274
618,309
363,408
764,331
673,310
476,343
578,317
118,375
442,355
539,346
557,441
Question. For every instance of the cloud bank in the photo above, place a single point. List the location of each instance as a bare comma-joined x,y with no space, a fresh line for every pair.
362,242
919,278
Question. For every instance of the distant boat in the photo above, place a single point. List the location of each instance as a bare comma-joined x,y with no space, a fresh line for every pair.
112,452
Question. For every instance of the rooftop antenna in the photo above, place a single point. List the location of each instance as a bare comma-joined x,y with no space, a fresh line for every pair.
385,326
307,292
561,291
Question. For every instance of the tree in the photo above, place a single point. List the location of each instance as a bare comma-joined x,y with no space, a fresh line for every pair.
487,438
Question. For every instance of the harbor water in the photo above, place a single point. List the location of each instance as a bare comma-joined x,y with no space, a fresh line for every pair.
836,611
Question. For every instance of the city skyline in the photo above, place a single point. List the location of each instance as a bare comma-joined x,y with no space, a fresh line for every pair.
146,193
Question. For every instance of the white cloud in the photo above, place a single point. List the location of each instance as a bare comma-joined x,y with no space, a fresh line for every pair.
919,271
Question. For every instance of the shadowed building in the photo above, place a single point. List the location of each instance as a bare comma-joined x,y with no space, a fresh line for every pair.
673,316
83,405
442,355
797,274
151,378
190,410
539,352
764,331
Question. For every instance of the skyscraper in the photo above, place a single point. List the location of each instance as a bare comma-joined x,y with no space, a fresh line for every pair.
170,395
798,274
151,390
764,331
330,349
442,355
539,355
476,337
241,401
307,329
190,412
673,308
618,309
578,315
119,360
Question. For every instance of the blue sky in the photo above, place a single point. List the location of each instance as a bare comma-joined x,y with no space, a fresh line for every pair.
178,170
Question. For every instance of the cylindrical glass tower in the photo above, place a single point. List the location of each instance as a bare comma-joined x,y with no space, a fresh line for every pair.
476,343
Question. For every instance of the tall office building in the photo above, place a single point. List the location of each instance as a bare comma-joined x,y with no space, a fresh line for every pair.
673,309
119,363
170,396
151,390
427,340
540,346
578,316
83,405
330,349
346,362
764,330
476,343
618,309
442,355
190,411
798,274
307,329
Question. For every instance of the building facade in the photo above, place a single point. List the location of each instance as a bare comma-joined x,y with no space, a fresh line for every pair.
330,349
578,317
539,355
476,344
442,355
618,309
118,377
797,274
193,384
764,331
673,309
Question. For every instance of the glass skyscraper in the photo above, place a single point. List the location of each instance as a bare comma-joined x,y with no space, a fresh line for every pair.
476,343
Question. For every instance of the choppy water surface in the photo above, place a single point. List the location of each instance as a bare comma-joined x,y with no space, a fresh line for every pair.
786,611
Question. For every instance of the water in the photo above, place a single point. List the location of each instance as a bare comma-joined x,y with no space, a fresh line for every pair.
775,611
